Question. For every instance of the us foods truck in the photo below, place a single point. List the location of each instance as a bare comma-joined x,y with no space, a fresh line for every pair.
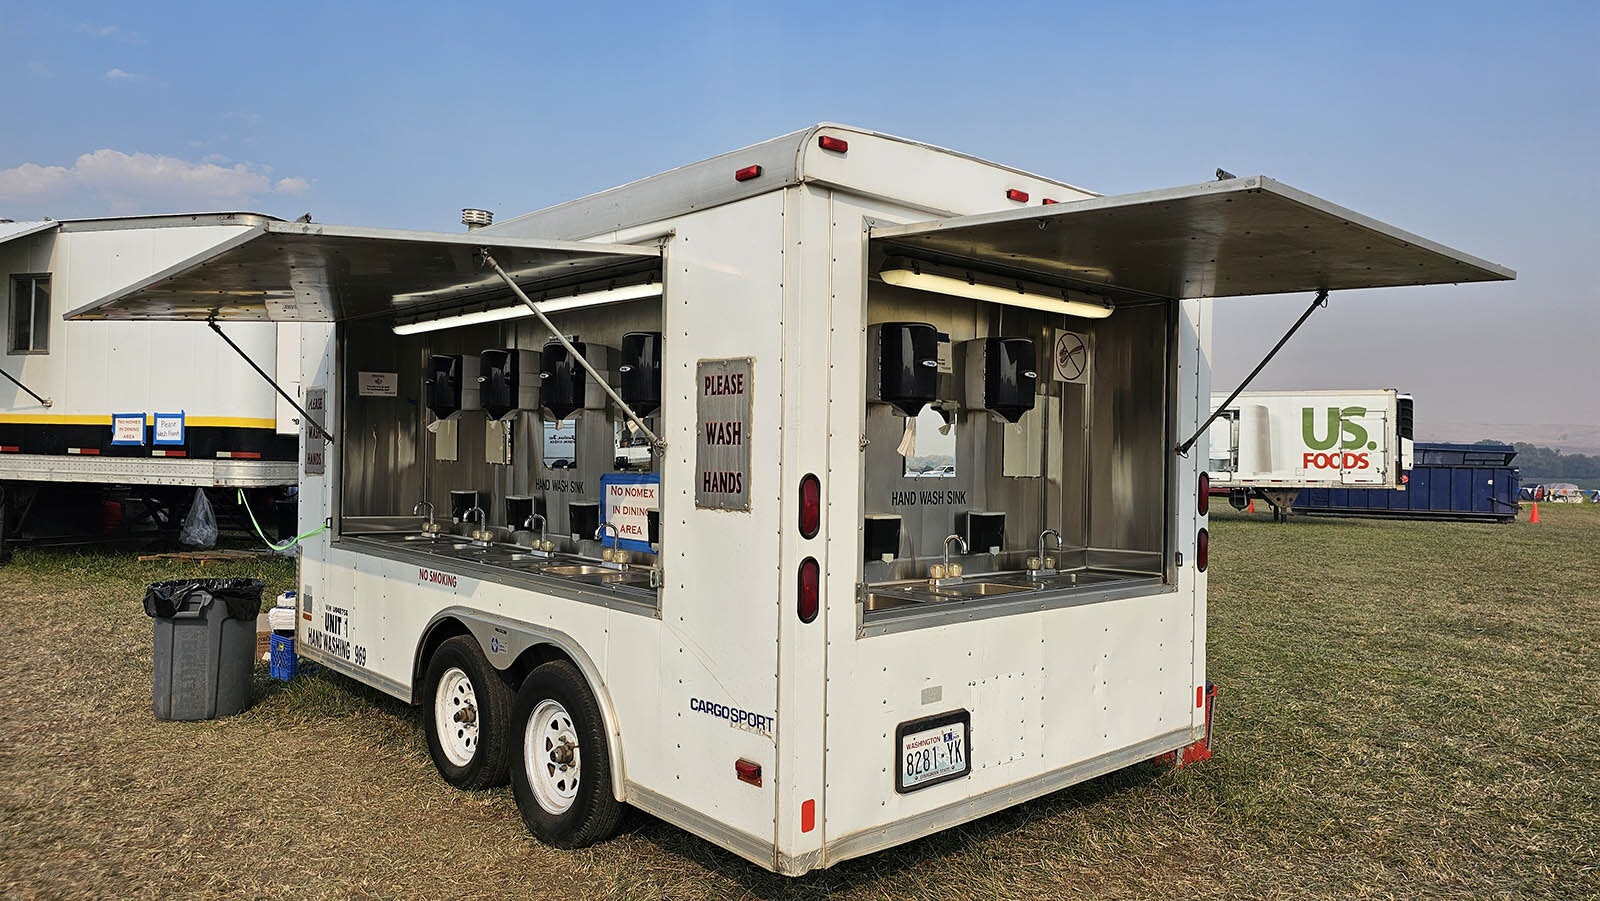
136,413
914,543
1273,444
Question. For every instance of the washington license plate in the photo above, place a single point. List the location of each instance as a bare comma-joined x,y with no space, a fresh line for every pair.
932,750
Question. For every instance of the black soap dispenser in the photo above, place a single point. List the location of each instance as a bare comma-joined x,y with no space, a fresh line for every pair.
451,381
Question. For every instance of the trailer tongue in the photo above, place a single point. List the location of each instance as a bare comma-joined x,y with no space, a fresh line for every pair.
915,546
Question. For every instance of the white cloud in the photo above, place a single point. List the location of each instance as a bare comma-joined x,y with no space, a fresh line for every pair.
120,75
110,181
112,32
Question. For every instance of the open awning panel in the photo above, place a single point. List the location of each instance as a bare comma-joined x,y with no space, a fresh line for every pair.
292,271
1237,237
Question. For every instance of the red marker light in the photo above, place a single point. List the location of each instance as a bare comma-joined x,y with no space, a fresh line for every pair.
747,173
810,506
1204,500
810,589
808,815
837,145
1047,201
747,771
1202,550
1018,196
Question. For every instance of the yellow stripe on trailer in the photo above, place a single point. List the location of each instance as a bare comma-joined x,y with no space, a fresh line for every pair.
214,422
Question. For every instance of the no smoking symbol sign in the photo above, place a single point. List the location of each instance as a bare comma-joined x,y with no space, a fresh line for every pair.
1071,357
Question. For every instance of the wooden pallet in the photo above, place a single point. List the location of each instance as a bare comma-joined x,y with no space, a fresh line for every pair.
212,556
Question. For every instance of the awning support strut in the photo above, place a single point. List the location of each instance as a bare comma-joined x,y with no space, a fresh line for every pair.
304,416
1320,301
43,401
572,351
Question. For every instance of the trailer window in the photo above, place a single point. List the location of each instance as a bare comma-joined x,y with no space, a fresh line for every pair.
30,314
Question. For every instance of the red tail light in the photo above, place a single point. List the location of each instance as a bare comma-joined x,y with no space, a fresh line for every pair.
837,145
747,173
747,771
1018,196
810,589
1202,550
810,506
1203,502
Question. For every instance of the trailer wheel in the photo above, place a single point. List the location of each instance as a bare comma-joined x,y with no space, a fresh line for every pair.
468,717
562,780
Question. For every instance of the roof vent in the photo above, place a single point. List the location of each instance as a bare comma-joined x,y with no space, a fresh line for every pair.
476,219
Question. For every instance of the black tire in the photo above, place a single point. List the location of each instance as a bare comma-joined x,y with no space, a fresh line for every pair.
484,761
593,813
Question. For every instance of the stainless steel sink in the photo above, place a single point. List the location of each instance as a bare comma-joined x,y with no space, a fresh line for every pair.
978,589
579,569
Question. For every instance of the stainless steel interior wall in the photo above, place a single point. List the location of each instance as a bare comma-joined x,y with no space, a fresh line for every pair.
389,454
1102,482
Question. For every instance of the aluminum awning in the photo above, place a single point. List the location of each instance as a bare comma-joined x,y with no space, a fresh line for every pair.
1241,236
294,271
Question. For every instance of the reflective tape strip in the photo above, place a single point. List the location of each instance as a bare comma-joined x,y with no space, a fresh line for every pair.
86,451
238,455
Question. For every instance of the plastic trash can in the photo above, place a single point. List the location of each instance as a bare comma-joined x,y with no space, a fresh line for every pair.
205,643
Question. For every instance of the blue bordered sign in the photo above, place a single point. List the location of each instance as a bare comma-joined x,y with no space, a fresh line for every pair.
127,429
169,428
627,499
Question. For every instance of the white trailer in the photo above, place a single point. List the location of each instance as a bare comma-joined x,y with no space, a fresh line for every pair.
821,623
1276,443
80,403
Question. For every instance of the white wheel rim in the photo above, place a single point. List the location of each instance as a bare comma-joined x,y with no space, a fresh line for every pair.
456,717
550,756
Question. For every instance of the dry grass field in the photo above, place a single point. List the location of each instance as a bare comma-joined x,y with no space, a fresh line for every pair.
1407,710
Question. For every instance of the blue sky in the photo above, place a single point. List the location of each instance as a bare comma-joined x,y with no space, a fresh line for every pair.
1477,125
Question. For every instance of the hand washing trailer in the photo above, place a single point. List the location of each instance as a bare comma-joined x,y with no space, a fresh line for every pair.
912,542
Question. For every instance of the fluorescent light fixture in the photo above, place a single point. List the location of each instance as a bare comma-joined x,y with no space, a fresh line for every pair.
939,279
517,311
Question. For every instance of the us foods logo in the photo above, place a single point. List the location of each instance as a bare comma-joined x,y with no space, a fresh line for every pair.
1343,443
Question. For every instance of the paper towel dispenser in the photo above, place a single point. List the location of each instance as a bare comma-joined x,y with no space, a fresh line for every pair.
509,381
903,365
451,381
640,369
564,386
1000,376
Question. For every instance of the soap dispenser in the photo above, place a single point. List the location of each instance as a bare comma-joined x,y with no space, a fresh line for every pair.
564,386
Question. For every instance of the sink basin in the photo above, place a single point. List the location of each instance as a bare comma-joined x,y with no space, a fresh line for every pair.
978,589
580,569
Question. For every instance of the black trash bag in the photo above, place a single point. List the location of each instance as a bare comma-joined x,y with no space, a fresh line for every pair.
241,596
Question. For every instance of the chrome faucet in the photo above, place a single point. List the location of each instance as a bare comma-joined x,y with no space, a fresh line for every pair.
1043,569
616,542
529,524
466,515
427,527
958,540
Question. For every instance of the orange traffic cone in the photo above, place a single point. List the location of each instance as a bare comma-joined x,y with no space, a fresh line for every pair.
1534,516
1252,506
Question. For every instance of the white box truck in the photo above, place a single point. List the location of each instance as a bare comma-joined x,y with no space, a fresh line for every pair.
159,407
1272,444
914,543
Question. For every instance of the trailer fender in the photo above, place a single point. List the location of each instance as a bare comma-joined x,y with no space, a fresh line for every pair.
505,642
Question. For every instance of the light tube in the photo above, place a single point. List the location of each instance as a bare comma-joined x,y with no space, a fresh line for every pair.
517,311
918,276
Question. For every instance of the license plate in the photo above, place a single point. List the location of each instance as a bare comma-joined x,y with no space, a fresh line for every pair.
932,750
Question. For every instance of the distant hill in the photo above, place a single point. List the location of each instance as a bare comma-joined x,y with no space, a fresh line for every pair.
1547,464
1567,438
